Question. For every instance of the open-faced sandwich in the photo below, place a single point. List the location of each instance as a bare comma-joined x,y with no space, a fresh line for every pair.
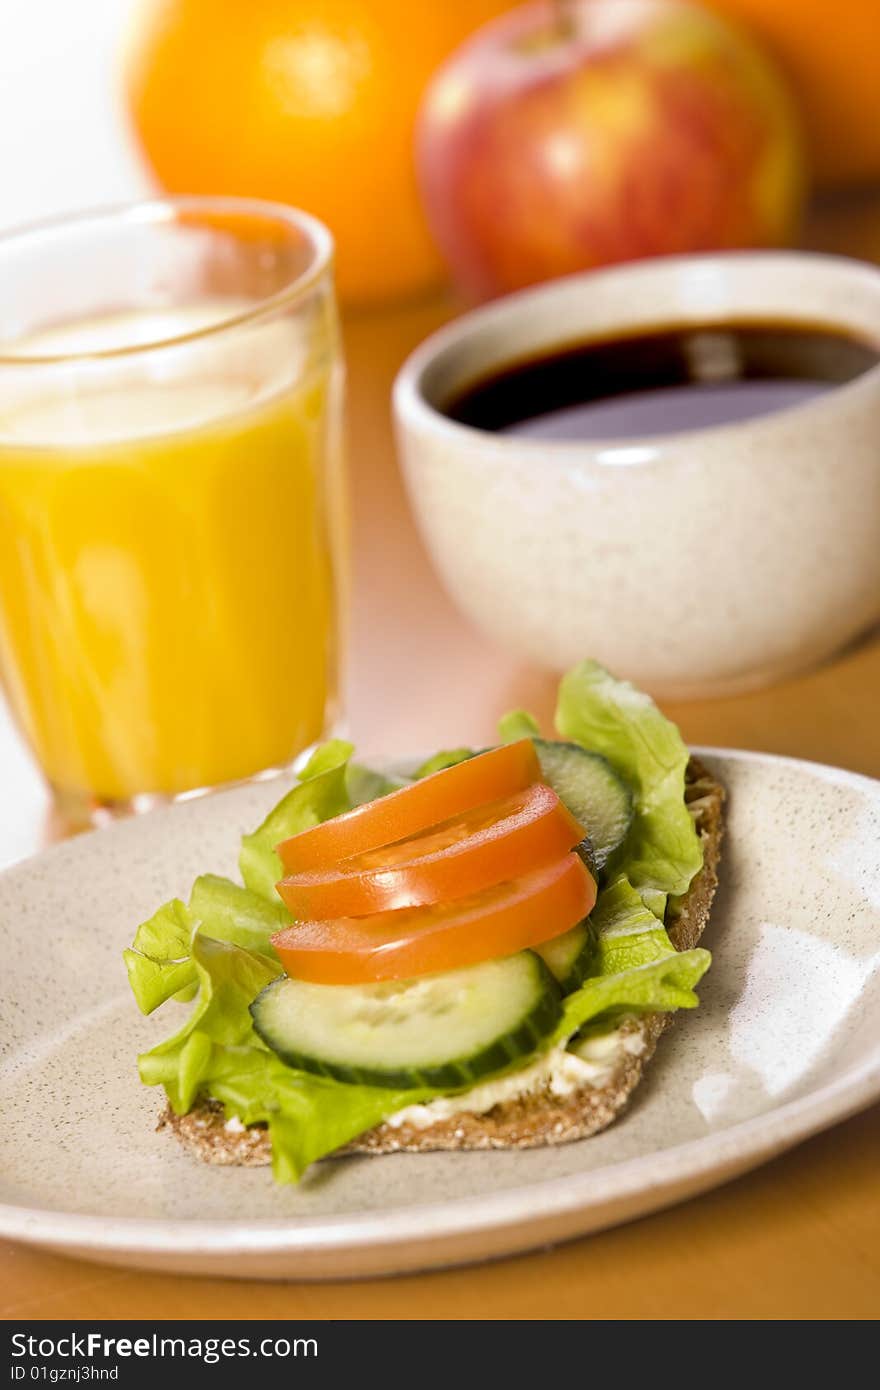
481,953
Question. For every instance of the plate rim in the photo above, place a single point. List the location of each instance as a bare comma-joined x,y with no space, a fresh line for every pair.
732,1150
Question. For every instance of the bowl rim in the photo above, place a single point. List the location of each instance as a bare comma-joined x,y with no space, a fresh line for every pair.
413,408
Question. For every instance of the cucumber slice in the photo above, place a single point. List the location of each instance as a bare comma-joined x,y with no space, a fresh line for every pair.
446,1030
570,957
591,789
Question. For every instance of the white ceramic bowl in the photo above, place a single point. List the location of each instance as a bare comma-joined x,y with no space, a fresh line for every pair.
694,563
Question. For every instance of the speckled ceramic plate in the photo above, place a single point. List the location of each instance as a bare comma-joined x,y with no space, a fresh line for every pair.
785,1043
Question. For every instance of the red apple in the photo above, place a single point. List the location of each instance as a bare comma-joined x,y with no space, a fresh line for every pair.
573,134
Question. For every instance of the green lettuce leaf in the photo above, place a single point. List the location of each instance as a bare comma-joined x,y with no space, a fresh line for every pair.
308,1116
628,932
158,962
227,912
322,792
657,987
365,784
229,979
517,724
638,968
661,853
447,757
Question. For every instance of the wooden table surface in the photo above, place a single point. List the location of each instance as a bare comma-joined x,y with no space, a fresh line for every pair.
798,1238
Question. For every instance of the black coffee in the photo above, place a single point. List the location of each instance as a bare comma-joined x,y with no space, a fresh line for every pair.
665,380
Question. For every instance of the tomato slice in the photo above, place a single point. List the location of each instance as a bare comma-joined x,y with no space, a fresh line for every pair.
419,941
490,844
486,777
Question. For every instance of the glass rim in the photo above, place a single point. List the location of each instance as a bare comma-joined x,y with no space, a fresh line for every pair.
162,210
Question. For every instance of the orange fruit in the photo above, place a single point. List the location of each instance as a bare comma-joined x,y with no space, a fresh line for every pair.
308,102
831,52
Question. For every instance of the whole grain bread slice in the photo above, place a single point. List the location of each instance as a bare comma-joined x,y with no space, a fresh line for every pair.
539,1117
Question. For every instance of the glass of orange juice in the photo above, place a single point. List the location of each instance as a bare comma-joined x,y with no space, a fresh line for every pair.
172,508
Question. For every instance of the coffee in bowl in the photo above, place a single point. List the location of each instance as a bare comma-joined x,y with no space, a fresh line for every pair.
663,379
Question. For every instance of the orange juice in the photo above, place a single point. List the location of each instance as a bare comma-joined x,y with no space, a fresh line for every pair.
168,560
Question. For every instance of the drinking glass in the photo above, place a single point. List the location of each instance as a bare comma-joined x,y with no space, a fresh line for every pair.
172,511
